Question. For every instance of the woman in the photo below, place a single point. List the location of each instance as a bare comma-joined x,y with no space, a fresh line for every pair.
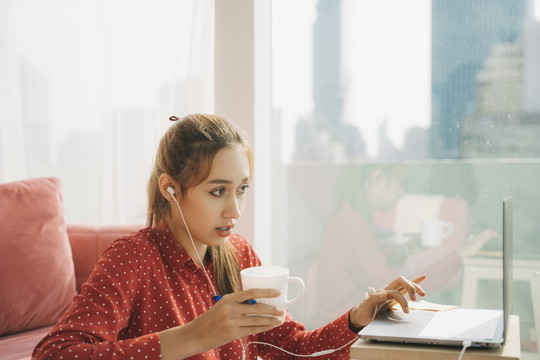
360,247
156,293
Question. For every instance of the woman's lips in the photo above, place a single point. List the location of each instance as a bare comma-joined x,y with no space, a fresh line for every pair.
224,231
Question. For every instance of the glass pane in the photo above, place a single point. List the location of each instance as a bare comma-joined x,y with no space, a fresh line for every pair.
400,127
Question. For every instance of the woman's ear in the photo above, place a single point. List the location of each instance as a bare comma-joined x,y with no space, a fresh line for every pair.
374,178
166,183
378,175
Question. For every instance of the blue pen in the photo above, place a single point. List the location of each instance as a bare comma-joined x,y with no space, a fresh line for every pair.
216,298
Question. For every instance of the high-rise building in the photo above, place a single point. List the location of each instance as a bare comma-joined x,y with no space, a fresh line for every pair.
324,135
500,117
463,36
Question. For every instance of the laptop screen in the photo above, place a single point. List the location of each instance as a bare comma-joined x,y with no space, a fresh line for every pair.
508,240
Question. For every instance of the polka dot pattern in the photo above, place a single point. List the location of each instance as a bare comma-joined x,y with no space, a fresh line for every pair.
145,283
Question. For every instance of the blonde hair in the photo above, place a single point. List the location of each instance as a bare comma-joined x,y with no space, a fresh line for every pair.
186,152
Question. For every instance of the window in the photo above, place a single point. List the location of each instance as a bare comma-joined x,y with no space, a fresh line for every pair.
88,89
390,115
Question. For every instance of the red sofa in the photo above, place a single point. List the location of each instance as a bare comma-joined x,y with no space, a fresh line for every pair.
43,261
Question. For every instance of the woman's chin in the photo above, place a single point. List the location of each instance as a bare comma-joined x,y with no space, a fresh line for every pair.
217,241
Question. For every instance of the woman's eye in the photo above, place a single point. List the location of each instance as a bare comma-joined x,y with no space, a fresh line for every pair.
218,192
242,189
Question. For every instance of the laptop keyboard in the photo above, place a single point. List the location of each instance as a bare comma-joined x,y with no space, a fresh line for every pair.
463,324
482,332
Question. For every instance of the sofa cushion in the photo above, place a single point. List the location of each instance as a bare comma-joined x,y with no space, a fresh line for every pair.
37,279
88,241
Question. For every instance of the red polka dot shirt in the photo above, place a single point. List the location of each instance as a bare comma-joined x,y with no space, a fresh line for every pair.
145,283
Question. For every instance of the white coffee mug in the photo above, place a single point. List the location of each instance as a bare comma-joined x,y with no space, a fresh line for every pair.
435,231
272,277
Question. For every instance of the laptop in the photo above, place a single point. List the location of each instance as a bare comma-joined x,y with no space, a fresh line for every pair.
482,327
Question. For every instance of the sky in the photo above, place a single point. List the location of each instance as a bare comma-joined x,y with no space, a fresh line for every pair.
386,66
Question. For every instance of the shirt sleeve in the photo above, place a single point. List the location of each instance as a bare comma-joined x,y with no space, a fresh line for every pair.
292,337
95,324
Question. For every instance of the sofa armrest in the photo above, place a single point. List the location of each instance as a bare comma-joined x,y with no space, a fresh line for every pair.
88,241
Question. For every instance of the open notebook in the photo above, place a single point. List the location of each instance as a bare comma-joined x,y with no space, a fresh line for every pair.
482,327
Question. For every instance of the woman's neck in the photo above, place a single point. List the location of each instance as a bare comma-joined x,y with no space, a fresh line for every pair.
196,250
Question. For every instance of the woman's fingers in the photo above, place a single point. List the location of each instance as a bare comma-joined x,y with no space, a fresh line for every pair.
419,279
395,296
418,288
251,313
406,286
397,289
250,294
257,320
379,301
262,309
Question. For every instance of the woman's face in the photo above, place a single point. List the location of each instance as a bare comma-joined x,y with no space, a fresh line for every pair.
212,208
383,191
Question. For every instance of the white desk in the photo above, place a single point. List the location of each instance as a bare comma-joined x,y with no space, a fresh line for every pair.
370,350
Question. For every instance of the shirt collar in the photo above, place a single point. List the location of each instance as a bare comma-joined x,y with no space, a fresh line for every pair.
171,249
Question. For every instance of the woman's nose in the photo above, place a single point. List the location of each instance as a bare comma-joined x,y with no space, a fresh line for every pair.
233,209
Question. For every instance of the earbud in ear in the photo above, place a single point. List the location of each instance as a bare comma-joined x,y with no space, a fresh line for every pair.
170,190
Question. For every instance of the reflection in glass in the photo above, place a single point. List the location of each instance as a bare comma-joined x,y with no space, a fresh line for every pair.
440,99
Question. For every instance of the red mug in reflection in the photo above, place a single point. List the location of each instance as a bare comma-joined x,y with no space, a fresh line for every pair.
434,231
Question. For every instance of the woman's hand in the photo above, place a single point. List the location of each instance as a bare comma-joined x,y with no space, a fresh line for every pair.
229,319
382,300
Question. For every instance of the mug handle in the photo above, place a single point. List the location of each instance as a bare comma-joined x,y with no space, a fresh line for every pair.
449,230
301,289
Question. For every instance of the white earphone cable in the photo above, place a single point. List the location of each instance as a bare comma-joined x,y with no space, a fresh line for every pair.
318,353
193,243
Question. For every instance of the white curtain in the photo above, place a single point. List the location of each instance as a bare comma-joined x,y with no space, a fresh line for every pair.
86,89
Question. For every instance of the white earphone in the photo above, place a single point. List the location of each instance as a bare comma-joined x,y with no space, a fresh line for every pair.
170,190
